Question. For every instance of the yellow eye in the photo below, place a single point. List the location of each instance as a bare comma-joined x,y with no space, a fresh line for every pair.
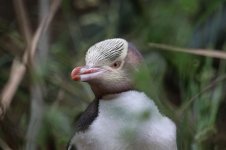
116,64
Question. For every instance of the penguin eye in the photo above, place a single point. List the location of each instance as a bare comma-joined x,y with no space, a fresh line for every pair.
116,64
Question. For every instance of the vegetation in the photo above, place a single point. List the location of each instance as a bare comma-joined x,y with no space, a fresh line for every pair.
41,41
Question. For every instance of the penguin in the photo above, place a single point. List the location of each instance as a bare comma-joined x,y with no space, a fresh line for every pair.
120,117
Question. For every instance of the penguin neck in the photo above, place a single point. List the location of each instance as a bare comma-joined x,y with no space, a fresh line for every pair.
101,90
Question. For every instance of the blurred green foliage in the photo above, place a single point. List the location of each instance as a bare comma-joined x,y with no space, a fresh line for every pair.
187,88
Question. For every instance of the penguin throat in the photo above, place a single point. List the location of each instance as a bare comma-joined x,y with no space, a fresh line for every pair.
100,90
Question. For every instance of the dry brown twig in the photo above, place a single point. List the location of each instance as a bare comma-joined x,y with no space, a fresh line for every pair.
4,145
200,52
23,20
18,68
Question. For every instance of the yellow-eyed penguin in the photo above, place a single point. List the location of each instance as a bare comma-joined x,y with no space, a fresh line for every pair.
120,117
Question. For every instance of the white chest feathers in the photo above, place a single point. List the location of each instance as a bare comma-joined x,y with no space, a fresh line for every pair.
129,121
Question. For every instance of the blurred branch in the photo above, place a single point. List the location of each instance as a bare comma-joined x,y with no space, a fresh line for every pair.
14,80
4,146
37,83
16,74
18,69
37,107
22,18
201,52
42,29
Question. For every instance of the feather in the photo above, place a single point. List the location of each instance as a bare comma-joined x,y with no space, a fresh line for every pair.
107,51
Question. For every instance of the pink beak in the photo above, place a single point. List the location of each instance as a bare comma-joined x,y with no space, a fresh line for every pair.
86,73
